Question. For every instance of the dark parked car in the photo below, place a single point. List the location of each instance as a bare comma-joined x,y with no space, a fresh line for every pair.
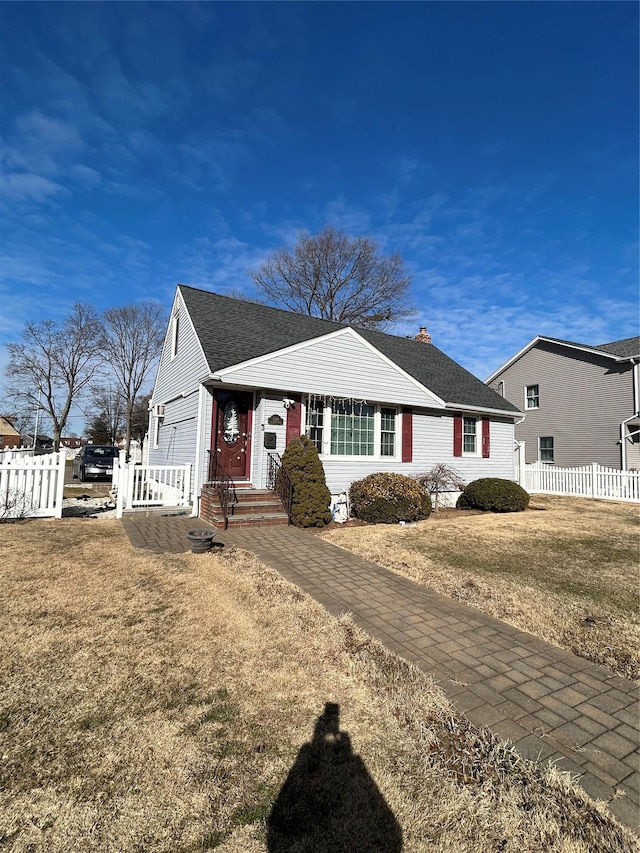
94,460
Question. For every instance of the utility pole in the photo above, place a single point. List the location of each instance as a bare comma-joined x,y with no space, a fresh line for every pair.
35,429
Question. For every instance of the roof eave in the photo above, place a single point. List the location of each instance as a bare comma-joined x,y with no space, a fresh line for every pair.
467,407
567,344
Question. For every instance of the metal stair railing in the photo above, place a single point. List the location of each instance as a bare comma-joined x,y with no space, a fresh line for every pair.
279,481
224,487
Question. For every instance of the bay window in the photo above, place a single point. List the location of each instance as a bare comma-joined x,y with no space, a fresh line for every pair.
351,428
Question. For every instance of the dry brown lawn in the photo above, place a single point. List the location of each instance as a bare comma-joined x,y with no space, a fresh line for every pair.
566,570
184,703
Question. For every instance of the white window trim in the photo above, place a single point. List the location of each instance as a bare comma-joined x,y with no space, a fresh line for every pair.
478,436
156,432
527,407
325,453
174,335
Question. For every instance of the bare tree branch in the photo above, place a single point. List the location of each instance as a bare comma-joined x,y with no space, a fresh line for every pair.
132,341
336,277
54,364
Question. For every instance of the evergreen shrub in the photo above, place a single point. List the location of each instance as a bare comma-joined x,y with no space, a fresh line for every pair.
389,498
311,497
492,494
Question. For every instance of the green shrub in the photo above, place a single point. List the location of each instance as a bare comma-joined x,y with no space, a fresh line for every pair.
311,497
389,498
493,494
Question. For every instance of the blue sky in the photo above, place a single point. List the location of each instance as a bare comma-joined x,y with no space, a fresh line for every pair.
494,145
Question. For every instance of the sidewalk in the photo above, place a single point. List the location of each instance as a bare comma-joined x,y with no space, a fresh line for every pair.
548,702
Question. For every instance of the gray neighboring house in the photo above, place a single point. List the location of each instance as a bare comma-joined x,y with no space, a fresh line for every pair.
237,380
581,402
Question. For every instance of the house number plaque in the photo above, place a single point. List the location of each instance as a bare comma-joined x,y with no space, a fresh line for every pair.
275,420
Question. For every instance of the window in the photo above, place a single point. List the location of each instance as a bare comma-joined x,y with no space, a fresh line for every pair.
315,422
532,397
352,428
156,432
174,336
469,437
546,448
387,432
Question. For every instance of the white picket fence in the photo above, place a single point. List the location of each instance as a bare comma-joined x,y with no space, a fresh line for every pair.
588,481
31,486
150,485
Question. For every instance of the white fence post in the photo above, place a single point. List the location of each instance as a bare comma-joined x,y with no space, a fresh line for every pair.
120,480
62,461
520,462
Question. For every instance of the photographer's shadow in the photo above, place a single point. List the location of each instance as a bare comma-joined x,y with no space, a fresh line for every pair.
329,803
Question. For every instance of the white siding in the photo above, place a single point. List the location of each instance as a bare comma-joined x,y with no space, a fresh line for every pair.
342,366
432,443
271,404
177,433
185,371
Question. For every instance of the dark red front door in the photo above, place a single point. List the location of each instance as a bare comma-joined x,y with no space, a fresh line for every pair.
232,434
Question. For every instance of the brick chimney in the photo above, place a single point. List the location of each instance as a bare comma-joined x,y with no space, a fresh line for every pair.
424,337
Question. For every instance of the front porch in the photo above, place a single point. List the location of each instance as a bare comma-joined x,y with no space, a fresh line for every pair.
249,507
227,503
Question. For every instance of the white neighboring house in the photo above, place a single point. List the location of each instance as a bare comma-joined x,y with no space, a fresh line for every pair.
237,380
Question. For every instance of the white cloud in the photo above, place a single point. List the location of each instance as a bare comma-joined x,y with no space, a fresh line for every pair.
24,186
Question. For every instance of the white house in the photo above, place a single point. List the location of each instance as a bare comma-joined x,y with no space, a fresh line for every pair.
236,380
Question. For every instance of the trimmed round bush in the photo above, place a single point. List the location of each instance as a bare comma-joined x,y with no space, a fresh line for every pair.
493,494
311,497
389,498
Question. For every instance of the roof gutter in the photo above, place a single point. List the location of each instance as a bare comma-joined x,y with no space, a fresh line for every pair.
465,407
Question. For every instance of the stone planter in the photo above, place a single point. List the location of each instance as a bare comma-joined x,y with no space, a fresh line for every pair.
201,540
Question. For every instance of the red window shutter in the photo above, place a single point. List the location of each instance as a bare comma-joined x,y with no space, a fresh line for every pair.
294,419
407,435
486,442
457,435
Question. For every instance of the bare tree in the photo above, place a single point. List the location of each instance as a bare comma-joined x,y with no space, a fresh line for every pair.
132,344
336,277
107,422
140,419
440,478
53,365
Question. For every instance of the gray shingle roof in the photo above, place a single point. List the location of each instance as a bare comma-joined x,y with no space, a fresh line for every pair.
620,349
232,331
625,348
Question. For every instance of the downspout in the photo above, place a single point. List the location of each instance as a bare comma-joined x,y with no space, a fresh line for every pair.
636,413
199,460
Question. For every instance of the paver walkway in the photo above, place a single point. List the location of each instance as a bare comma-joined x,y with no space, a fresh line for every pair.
548,702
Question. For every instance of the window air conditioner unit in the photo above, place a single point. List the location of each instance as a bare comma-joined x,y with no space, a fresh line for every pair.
158,410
